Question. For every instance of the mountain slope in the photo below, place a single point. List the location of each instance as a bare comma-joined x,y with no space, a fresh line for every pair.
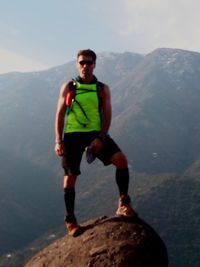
155,121
160,109
30,171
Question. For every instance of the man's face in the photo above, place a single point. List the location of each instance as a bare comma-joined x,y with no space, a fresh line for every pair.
85,66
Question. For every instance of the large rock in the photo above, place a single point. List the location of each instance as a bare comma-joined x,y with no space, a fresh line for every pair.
106,242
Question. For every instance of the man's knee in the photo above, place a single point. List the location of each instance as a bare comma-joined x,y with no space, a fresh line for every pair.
69,181
119,160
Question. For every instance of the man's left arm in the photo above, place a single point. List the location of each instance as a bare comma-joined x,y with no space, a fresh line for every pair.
107,112
106,119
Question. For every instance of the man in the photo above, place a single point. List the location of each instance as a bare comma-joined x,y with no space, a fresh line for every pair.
88,110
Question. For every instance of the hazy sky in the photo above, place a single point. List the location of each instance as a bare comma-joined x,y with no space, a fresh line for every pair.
38,34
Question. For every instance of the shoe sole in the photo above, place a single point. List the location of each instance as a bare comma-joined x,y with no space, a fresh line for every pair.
76,231
126,215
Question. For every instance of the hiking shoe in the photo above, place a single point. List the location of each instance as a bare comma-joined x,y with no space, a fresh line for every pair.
72,225
73,228
124,207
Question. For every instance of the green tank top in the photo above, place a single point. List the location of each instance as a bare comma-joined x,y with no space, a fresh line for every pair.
84,115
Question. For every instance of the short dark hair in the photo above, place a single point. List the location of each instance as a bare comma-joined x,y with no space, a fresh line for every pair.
88,53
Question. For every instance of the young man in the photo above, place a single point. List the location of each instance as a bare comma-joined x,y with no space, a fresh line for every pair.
88,110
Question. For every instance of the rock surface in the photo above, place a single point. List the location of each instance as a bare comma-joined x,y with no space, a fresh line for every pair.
106,242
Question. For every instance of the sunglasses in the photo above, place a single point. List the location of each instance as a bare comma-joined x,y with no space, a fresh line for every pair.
86,62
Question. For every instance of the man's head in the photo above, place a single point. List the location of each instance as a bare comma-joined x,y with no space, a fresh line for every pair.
86,62
87,53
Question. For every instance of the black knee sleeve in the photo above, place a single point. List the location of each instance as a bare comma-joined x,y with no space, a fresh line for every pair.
122,180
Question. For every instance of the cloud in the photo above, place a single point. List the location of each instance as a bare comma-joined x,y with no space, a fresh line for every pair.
11,61
148,24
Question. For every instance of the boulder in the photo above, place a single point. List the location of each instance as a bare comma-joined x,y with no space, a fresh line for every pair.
106,242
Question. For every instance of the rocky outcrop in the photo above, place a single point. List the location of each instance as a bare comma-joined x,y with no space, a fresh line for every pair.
106,242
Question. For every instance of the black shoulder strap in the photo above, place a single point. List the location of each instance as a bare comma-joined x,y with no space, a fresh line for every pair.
72,85
100,88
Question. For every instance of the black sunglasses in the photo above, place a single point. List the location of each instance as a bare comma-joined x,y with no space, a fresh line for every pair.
86,62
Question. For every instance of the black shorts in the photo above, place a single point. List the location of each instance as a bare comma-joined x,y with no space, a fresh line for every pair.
75,145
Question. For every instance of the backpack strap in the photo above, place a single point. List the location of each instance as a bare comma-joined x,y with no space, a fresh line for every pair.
70,95
100,93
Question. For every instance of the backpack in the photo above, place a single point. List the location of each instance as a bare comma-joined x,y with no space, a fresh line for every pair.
71,96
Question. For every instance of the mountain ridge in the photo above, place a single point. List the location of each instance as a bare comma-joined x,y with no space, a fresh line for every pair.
155,121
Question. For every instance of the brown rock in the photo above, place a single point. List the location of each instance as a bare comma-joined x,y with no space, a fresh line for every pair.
106,242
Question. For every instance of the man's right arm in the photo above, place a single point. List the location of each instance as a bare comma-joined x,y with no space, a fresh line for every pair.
59,120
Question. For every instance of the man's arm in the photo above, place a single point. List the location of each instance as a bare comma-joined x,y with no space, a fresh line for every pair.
106,119
59,120
107,112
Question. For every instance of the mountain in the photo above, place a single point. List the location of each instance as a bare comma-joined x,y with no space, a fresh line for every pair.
155,101
160,109
29,169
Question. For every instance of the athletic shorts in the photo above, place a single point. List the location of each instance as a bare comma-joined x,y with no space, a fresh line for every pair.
75,145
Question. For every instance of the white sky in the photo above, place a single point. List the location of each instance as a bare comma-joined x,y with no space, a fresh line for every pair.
38,34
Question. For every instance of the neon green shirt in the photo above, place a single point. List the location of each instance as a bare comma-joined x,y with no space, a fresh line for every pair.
84,115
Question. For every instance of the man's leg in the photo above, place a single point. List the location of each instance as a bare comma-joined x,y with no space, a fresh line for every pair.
69,193
122,172
69,198
122,180
74,145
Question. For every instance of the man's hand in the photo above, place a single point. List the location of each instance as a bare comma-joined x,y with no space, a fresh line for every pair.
59,149
93,149
96,145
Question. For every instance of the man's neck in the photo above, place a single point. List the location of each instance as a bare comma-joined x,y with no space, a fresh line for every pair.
87,80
